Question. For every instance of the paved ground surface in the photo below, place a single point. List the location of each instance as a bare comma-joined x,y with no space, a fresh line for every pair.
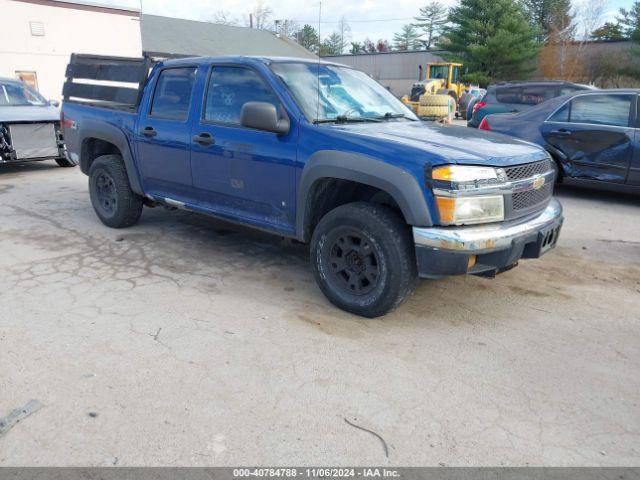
185,341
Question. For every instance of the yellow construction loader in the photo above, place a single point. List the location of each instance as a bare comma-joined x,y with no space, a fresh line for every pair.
437,95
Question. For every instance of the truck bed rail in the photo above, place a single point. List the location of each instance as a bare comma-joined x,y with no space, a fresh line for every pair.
129,74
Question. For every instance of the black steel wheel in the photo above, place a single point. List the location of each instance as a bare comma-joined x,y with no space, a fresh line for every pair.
353,260
363,258
106,192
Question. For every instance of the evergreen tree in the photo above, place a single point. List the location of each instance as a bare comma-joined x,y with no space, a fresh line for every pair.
549,18
356,47
431,21
407,39
492,37
331,45
608,31
308,38
629,21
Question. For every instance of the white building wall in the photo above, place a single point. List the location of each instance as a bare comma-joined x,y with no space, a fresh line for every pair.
68,28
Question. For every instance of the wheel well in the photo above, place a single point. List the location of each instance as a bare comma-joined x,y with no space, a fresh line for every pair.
328,193
93,148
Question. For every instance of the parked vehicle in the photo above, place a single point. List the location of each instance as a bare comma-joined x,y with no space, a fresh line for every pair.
468,99
436,96
29,125
592,135
314,151
512,97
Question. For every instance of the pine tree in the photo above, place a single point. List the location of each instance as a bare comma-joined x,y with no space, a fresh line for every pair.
549,18
608,31
356,47
629,21
431,21
331,45
308,38
492,37
407,38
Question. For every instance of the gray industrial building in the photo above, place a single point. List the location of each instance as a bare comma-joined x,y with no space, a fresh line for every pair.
164,37
397,71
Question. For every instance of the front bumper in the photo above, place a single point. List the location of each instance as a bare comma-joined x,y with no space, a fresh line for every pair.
486,249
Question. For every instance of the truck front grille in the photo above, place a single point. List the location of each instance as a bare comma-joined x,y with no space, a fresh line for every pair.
530,198
528,170
526,202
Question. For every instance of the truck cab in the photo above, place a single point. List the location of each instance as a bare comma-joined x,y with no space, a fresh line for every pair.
317,152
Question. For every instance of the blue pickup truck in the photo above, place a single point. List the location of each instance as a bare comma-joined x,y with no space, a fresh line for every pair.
314,151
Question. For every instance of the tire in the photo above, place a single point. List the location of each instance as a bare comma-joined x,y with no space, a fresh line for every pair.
363,258
116,205
427,100
65,162
433,112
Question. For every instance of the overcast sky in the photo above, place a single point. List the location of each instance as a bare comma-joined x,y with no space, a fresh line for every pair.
368,18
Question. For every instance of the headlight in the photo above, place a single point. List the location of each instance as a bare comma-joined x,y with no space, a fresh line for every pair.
462,177
467,210
453,186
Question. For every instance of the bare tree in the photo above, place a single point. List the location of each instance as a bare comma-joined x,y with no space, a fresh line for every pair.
223,17
563,54
287,28
344,30
259,16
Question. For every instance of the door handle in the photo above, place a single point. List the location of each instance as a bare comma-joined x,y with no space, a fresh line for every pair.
205,139
149,132
561,133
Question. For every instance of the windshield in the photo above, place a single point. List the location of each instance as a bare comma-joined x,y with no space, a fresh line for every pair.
439,71
345,94
14,94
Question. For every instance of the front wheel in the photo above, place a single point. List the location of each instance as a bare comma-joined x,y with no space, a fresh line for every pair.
363,258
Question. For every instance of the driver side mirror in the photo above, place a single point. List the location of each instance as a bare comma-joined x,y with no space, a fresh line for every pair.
263,116
54,103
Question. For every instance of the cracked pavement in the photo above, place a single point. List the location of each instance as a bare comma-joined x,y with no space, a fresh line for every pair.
188,341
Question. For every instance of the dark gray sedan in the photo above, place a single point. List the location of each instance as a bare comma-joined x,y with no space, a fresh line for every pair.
594,136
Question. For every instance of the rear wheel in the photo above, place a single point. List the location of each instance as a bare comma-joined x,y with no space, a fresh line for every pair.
114,202
363,258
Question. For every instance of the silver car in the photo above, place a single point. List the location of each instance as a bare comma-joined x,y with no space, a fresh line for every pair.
29,126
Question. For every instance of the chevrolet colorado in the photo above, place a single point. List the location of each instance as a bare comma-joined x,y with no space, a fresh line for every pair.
314,151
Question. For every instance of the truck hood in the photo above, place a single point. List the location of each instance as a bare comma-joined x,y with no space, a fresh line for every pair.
455,144
29,113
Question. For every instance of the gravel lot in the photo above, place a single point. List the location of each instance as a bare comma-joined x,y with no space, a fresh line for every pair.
187,341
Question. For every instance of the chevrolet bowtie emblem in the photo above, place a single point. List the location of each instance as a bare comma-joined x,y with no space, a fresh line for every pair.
538,182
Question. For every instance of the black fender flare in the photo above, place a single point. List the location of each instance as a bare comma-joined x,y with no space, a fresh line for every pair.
111,134
397,182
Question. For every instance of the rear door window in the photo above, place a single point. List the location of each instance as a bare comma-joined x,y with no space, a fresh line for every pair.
172,96
509,95
609,109
525,95
562,114
537,94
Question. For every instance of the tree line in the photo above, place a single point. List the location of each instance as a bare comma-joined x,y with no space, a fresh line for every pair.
495,39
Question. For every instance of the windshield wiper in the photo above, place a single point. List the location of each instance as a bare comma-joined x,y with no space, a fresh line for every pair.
345,119
389,115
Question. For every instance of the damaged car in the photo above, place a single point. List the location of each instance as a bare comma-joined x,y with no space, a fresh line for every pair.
29,126
592,136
